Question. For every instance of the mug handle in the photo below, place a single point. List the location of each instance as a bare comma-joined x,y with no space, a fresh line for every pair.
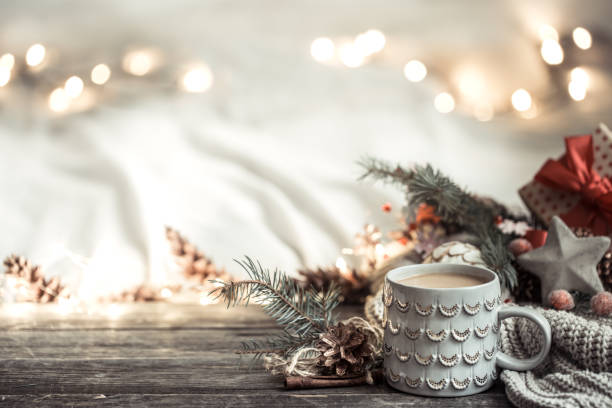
513,363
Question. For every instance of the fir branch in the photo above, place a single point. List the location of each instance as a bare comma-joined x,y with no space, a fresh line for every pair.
303,314
424,184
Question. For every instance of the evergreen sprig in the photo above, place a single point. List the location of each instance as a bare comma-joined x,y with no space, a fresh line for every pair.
424,184
303,314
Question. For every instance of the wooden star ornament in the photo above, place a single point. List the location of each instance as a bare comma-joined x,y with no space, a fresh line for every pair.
565,261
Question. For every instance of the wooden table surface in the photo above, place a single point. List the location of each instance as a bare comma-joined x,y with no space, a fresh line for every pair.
160,354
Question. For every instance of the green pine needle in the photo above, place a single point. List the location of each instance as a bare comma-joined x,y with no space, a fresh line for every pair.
424,184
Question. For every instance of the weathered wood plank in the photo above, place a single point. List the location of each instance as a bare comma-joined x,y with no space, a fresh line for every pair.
261,399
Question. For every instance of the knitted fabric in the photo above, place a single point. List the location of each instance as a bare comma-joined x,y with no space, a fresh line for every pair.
578,370
576,373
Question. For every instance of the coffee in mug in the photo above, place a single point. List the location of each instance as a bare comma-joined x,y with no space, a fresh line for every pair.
442,280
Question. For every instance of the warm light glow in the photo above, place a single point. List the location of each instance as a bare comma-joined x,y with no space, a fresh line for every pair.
198,79
530,113
5,76
7,61
59,100
166,293
114,311
582,38
347,251
322,49
577,90
206,300
100,74
415,71
471,84
350,56
35,55
138,63
444,102
483,112
370,42
341,263
548,33
380,250
521,100
580,76
551,52
73,87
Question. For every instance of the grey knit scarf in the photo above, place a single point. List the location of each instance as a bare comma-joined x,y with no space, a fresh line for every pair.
576,373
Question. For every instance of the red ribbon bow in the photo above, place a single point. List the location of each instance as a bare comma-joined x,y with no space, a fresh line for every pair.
574,173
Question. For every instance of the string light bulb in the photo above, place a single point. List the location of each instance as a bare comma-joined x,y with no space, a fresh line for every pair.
521,100
351,55
73,87
198,79
415,71
35,55
100,74
582,38
138,63
444,102
551,52
322,49
59,100
577,90
370,42
7,61
579,75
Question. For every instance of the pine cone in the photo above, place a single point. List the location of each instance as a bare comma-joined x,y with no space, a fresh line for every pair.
194,264
140,293
604,267
29,277
354,288
345,349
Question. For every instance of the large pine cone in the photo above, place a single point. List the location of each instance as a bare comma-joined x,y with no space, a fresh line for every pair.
528,287
354,288
34,286
345,349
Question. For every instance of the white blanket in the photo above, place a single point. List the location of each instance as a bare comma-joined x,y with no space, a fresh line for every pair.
264,163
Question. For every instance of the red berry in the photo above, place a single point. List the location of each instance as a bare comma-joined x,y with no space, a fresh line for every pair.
498,219
601,303
561,299
519,246
386,207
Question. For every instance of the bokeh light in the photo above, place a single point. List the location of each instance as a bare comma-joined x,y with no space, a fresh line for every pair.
7,61
138,63
521,100
35,55
198,79
551,52
59,100
322,49
370,42
351,55
547,32
5,76
73,87
582,38
415,71
484,111
444,102
100,74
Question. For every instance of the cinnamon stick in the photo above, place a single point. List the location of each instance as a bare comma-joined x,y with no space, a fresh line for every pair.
301,383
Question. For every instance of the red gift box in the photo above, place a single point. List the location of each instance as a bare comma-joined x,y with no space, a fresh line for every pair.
577,187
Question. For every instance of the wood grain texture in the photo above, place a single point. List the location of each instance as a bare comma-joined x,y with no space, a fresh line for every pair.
155,355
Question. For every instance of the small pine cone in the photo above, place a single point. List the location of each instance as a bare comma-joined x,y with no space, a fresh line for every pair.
604,267
193,263
353,287
345,349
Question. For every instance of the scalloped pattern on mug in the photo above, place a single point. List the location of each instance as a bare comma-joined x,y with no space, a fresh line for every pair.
413,382
461,336
413,334
471,359
490,304
482,332
392,329
449,311
436,336
488,355
392,376
402,307
480,381
436,385
495,327
449,361
403,357
423,310
461,385
424,361
494,374
472,310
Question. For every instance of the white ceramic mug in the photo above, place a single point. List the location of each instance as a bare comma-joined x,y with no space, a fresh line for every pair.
445,342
